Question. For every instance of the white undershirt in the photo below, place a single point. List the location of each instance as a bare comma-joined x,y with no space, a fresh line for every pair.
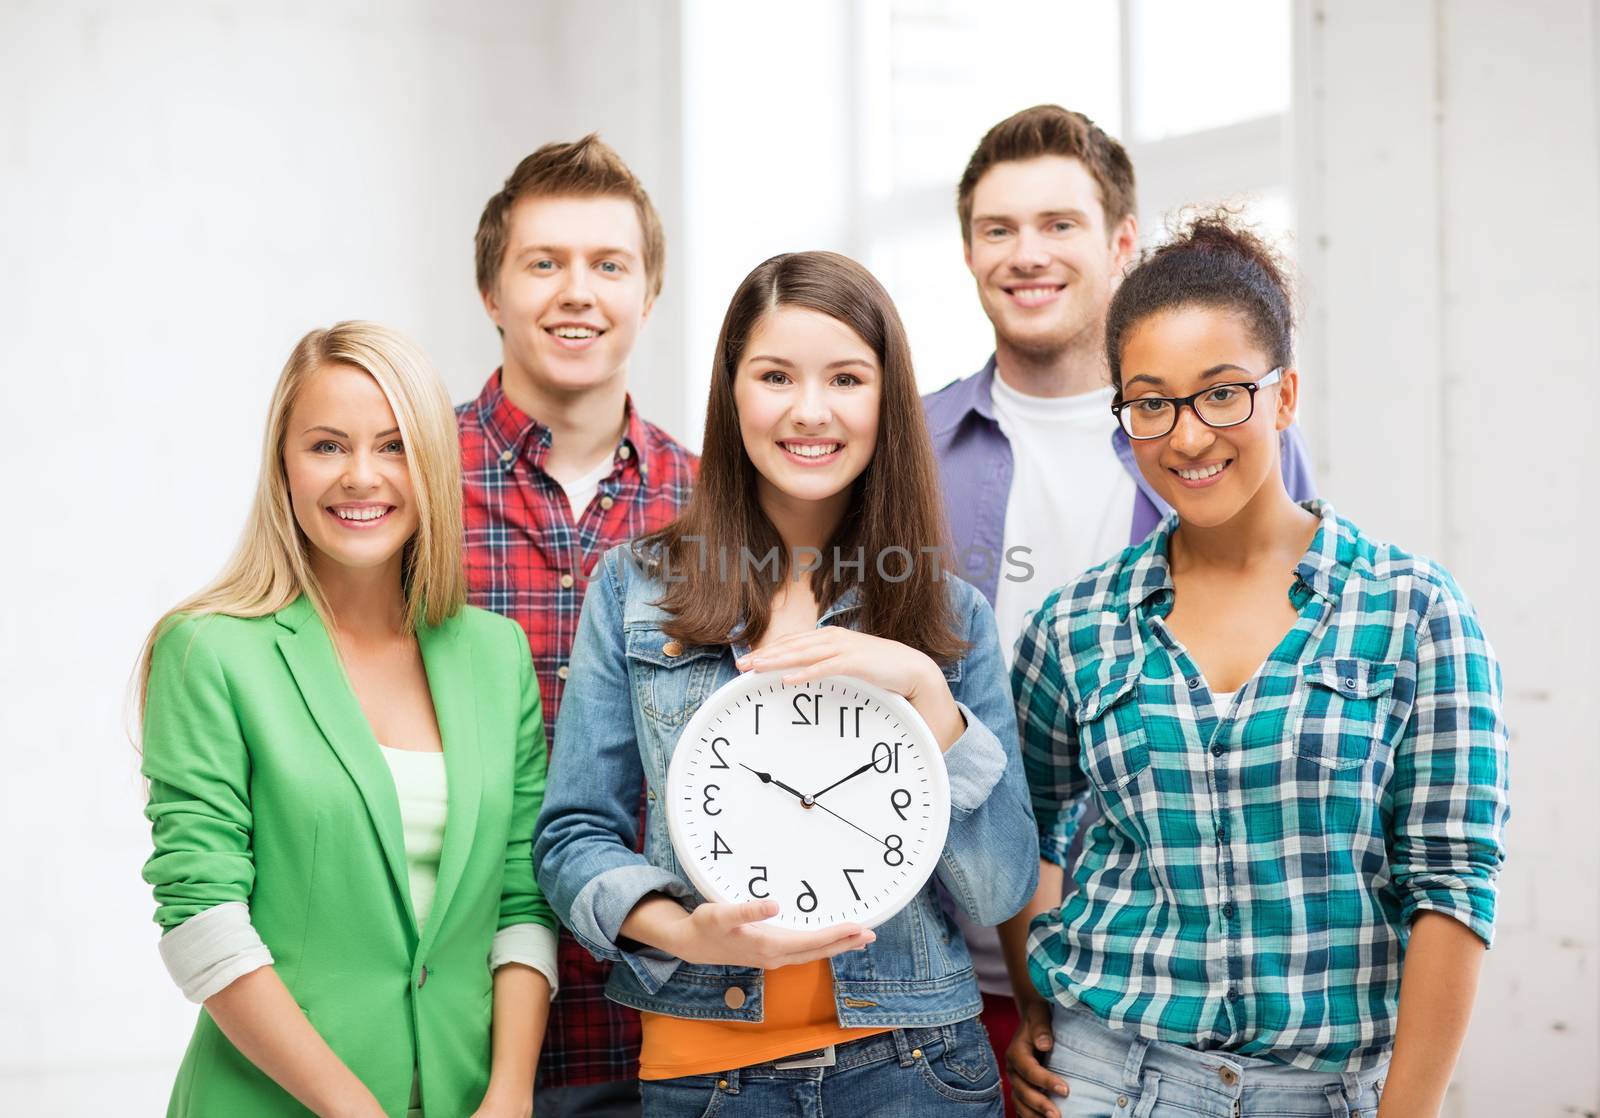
1071,505
211,949
1071,501
423,792
581,490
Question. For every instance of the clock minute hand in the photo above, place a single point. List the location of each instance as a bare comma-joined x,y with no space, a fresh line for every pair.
841,780
768,778
847,823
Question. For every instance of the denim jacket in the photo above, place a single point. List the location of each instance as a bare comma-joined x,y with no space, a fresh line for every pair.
626,703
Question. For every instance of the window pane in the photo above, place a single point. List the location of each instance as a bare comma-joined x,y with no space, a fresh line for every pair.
956,68
1198,66
922,270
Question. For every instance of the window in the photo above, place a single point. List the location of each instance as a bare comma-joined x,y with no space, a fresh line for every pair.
846,126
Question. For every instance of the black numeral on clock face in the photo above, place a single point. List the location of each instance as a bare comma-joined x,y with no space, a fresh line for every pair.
718,847
719,763
801,702
759,878
709,792
891,850
900,799
758,719
850,881
886,757
806,901
844,714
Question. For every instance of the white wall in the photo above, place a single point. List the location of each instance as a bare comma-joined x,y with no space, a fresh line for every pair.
767,97
188,187
1448,180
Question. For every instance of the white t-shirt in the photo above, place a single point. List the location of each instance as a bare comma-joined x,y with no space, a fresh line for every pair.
1071,502
581,490
1071,506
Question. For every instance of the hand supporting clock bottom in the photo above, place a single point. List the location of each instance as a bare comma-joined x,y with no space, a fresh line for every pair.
732,935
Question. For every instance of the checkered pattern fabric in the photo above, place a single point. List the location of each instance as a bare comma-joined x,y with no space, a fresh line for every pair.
529,559
1251,882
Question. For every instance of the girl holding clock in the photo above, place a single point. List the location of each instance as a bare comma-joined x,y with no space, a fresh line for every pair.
1293,731
809,550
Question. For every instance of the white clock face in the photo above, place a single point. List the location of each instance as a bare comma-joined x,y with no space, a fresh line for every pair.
830,798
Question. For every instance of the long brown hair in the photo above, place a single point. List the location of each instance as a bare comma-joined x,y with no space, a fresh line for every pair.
895,509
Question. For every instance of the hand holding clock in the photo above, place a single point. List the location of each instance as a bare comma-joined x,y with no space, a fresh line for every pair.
836,650
734,935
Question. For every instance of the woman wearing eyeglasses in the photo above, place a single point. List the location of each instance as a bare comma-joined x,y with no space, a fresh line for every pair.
1293,731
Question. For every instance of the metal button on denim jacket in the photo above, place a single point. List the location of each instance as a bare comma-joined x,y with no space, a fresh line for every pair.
632,691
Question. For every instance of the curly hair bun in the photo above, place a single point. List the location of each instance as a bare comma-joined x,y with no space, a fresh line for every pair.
1213,260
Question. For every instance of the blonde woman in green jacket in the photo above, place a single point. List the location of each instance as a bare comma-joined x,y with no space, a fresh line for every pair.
345,764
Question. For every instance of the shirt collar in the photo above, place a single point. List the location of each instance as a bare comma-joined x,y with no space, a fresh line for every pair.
1323,569
969,395
849,600
513,434
1327,563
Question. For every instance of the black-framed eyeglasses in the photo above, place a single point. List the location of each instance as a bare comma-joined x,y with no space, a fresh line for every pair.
1220,405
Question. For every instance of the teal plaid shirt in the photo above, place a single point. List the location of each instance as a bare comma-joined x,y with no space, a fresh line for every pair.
1250,884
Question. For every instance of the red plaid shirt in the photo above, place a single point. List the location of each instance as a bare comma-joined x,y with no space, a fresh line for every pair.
526,558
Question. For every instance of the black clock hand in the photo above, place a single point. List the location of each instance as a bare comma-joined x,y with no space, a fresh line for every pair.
768,778
847,823
841,780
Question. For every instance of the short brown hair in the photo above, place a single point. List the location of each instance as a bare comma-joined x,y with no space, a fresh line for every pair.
587,168
1052,130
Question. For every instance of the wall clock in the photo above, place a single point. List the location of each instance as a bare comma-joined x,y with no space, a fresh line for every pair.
829,797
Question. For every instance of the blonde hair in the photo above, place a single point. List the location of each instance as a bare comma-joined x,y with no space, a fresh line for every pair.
271,566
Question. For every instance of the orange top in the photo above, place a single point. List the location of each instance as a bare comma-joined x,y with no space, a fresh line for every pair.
799,1016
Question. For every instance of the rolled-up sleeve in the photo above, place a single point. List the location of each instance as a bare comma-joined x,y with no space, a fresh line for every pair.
991,863
532,945
1048,732
202,869
585,844
1450,773
208,951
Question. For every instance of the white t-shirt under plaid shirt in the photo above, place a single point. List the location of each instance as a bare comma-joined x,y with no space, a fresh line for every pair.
1251,882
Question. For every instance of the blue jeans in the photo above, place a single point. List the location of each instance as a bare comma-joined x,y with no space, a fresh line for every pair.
1114,1074
618,1099
943,1070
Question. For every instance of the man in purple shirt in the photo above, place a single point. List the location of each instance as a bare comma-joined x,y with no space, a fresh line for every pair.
1039,481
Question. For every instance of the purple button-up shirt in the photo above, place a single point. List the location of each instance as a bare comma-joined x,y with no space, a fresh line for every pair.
975,467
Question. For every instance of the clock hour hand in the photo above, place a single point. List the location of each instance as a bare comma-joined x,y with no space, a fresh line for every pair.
842,779
768,778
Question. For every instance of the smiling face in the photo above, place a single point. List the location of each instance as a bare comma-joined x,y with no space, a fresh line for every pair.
808,391
1207,474
1044,262
349,484
572,292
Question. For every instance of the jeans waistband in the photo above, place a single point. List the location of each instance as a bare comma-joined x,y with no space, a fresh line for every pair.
900,1045
1225,1073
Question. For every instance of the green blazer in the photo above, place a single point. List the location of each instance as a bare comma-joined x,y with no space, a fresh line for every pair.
267,787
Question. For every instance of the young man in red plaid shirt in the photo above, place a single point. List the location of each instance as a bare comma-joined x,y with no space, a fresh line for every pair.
557,467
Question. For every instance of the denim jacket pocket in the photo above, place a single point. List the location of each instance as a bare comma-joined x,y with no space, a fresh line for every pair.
670,679
1342,710
1111,733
